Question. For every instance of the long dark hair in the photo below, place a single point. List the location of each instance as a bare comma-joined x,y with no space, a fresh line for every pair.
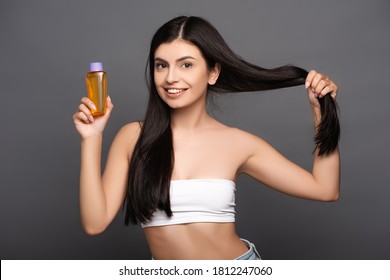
152,161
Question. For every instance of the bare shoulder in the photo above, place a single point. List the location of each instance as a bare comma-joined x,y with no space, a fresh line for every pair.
254,152
131,128
127,136
245,138
243,146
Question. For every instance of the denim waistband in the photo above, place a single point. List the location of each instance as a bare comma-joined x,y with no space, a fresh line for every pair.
251,254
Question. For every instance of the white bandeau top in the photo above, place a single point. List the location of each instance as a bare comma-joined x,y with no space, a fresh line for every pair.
198,200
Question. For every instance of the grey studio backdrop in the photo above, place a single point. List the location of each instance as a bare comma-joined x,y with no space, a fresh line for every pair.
45,50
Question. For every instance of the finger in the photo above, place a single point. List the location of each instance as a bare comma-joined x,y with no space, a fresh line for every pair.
320,86
326,90
334,90
109,106
86,111
309,78
313,97
80,116
109,103
316,79
334,94
88,102
330,89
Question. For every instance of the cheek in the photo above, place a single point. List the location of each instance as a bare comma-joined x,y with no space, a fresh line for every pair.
195,77
200,80
157,78
159,82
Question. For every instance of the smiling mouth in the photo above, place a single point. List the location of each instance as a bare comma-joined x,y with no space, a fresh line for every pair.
175,91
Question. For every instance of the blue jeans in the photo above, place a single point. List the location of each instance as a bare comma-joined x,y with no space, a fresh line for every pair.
251,254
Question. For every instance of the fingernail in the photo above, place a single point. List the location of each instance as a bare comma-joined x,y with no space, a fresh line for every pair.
91,118
307,84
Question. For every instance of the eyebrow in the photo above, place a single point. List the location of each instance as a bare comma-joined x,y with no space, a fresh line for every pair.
177,60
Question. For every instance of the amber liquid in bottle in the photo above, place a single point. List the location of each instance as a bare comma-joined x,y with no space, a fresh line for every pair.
97,91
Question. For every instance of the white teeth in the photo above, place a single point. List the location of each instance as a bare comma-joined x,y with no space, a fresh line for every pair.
175,91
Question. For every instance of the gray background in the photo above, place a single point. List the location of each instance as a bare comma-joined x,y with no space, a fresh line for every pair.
45,49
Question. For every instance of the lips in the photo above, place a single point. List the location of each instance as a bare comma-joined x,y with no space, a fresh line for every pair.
175,92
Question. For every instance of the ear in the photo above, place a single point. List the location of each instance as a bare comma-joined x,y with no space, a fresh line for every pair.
214,74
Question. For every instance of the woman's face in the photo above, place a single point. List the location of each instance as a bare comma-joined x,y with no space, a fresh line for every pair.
181,75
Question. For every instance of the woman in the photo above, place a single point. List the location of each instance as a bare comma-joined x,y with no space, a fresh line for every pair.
175,172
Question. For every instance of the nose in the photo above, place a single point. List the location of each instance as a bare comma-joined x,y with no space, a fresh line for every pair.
171,76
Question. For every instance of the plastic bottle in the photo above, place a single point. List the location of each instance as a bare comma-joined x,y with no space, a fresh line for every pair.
96,81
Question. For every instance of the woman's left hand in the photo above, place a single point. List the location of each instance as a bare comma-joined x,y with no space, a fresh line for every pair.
319,85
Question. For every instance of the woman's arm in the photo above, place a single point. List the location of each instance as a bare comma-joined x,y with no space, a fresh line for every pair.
102,196
267,165
274,170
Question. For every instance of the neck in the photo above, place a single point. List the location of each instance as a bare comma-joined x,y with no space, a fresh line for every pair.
189,118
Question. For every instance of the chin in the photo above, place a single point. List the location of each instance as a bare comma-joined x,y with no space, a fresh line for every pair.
174,105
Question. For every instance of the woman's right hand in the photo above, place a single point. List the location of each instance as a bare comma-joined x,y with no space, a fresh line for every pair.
87,125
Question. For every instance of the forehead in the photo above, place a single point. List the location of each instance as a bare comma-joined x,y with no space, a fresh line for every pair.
177,49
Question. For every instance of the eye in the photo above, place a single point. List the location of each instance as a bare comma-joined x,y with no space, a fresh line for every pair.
186,65
160,66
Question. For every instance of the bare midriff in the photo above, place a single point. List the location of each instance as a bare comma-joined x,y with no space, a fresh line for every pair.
195,241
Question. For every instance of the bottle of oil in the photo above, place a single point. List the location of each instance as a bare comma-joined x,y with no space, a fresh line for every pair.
97,87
